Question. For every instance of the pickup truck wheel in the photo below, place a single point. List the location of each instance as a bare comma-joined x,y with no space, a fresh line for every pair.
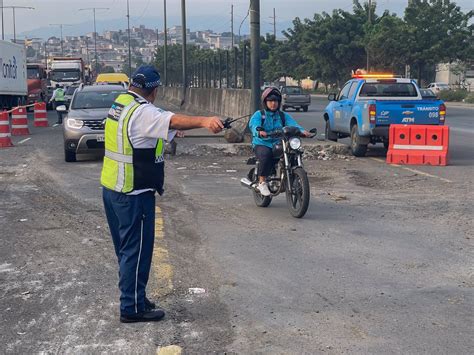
386,144
284,108
305,108
330,135
69,157
297,109
357,148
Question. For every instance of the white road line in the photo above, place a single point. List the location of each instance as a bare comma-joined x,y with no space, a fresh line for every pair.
24,140
413,170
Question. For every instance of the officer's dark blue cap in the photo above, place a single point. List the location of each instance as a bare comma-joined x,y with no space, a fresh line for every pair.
145,77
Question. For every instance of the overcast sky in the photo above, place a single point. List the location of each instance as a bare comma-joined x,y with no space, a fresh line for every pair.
66,11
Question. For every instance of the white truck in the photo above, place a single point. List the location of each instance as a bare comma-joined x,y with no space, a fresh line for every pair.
66,71
13,81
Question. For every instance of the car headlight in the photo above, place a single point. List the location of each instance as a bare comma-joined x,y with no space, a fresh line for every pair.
73,123
295,143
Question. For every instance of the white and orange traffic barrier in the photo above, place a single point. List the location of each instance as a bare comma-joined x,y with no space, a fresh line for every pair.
418,145
40,115
20,122
5,140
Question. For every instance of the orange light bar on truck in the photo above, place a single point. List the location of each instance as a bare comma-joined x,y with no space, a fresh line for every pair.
372,76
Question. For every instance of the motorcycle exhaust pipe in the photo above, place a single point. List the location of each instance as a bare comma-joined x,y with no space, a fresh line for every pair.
247,183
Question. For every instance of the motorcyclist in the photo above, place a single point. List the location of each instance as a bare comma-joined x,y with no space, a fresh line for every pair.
271,118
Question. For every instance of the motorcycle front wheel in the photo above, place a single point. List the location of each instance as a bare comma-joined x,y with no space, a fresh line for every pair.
260,201
298,199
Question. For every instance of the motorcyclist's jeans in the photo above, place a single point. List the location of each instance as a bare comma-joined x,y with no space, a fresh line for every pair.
264,155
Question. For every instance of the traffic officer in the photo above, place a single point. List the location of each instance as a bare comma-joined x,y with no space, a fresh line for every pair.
58,99
133,170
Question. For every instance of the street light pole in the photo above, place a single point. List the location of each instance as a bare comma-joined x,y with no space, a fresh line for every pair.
129,48
369,21
165,52
95,34
183,52
232,23
242,24
3,23
14,17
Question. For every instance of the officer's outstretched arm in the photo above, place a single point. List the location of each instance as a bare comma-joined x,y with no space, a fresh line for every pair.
184,122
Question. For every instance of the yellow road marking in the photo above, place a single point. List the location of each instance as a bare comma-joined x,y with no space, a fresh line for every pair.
412,170
169,350
162,269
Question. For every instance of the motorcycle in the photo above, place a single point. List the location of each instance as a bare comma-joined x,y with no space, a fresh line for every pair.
288,174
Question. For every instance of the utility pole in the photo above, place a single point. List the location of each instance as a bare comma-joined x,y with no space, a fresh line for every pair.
274,24
369,21
87,52
183,51
95,34
129,48
45,55
232,23
61,27
157,39
255,53
165,52
240,40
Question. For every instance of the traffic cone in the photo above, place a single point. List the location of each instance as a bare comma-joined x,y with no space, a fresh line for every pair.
40,115
5,140
20,122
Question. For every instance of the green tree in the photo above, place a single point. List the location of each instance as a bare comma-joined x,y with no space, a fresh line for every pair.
386,42
334,45
438,31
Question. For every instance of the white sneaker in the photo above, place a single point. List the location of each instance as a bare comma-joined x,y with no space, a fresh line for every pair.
263,189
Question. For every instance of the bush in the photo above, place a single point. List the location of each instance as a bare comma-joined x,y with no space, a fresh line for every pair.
470,98
453,95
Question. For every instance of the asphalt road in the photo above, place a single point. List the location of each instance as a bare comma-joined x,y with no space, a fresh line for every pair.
381,263
461,147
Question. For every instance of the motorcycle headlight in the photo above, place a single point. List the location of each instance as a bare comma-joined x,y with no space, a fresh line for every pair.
73,123
295,143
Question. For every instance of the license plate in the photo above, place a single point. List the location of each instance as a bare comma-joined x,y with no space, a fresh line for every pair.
100,138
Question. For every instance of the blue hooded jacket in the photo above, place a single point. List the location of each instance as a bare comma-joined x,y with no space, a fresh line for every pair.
272,122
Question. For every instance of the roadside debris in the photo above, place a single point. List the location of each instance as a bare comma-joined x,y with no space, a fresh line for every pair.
319,151
196,291
337,198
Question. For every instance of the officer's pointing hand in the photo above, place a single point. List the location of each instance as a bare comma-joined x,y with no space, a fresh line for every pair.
214,124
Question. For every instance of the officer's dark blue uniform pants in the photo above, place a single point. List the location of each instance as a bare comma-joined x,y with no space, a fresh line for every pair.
131,221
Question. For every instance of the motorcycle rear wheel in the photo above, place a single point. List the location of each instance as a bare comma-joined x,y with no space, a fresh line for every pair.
298,199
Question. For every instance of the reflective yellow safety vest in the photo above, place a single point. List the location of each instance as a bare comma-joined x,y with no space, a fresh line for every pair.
127,168
59,95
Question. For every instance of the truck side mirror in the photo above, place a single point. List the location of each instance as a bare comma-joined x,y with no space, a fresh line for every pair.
332,97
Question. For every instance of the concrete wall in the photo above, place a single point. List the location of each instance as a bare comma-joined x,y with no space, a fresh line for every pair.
220,102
